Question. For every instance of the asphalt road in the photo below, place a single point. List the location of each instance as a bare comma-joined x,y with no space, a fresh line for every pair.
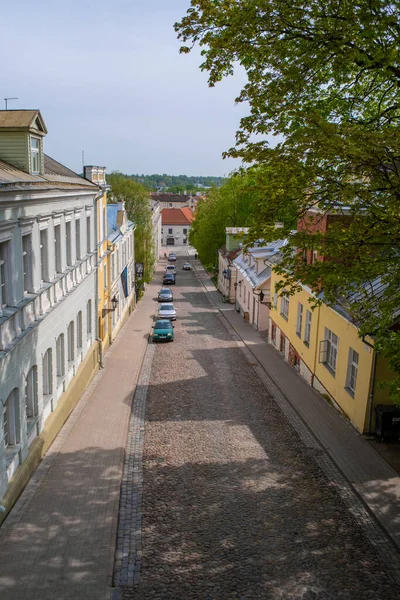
233,506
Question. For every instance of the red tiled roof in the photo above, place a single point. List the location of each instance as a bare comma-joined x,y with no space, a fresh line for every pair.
176,216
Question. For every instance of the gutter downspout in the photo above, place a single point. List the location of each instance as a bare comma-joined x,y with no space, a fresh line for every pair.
370,403
100,341
316,349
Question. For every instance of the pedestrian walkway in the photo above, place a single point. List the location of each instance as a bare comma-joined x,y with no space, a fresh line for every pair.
58,542
376,483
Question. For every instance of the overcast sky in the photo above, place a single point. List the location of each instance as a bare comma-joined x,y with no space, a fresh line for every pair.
108,79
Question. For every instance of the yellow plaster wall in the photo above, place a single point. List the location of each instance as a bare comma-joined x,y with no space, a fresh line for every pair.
103,293
355,408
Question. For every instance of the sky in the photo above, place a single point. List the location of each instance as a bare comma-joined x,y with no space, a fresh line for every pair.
108,79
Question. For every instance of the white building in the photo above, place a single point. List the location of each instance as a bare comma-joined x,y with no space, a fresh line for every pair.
156,224
122,259
48,295
176,223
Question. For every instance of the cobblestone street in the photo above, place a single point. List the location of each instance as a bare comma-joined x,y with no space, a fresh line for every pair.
233,503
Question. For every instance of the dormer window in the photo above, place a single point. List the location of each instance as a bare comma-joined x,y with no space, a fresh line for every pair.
35,155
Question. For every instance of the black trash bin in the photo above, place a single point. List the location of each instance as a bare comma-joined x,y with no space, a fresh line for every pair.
387,422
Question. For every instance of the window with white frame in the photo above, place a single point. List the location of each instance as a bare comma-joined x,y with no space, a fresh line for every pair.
170,230
104,223
88,235
276,297
285,306
307,328
113,266
11,423
48,373
79,330
105,275
27,262
328,350
299,323
60,356
57,248
89,317
78,238
35,155
71,342
44,255
31,401
68,242
4,274
352,370
185,231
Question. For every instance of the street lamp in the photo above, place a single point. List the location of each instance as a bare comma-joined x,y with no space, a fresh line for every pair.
114,304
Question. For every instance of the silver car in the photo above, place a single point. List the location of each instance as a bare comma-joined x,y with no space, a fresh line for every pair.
166,311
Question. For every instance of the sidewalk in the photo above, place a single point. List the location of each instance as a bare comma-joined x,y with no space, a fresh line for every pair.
376,483
58,542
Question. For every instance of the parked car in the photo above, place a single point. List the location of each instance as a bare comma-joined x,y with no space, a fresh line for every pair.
166,311
165,295
170,269
169,279
163,330
172,257
187,267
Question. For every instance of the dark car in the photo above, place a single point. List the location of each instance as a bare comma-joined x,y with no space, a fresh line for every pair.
165,295
169,279
163,331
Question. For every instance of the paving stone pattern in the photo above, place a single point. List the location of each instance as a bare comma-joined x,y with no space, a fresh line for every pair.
234,504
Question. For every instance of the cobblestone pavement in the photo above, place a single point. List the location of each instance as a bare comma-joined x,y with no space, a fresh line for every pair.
233,503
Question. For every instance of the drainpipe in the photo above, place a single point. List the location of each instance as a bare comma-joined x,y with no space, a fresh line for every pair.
370,404
100,341
316,349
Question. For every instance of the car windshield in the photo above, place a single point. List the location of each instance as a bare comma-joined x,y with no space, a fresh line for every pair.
162,325
168,276
167,307
165,291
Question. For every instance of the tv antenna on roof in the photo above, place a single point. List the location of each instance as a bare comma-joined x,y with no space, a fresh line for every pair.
7,99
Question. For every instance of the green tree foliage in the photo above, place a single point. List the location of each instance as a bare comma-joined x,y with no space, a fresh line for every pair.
137,204
177,183
325,77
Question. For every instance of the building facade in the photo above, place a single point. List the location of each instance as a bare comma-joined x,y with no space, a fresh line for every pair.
122,268
176,223
156,224
48,296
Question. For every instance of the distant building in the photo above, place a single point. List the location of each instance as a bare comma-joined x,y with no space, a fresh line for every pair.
176,223
169,200
48,296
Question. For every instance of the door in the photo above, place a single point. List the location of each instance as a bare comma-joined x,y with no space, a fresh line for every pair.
170,241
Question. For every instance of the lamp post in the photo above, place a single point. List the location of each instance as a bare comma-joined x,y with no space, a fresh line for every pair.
114,304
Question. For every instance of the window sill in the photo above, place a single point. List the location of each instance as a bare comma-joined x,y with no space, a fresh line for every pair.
306,343
11,452
284,317
349,391
328,368
298,333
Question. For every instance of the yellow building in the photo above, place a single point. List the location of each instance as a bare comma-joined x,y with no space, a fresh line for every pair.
98,175
325,349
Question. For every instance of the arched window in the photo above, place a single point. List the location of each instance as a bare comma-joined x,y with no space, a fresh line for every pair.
60,356
89,317
31,404
48,373
71,342
79,330
11,424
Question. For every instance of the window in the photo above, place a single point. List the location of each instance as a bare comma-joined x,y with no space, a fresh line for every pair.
105,275
31,405
307,328
11,429
48,373
170,230
4,277
352,370
113,266
276,297
68,242
60,356
88,235
185,231
71,342
285,307
170,203
57,248
78,238
44,263
79,330
89,317
35,155
329,350
27,262
299,319
104,224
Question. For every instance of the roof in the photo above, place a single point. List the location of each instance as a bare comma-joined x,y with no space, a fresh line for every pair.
21,119
237,230
171,197
55,175
176,216
263,250
113,230
255,279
